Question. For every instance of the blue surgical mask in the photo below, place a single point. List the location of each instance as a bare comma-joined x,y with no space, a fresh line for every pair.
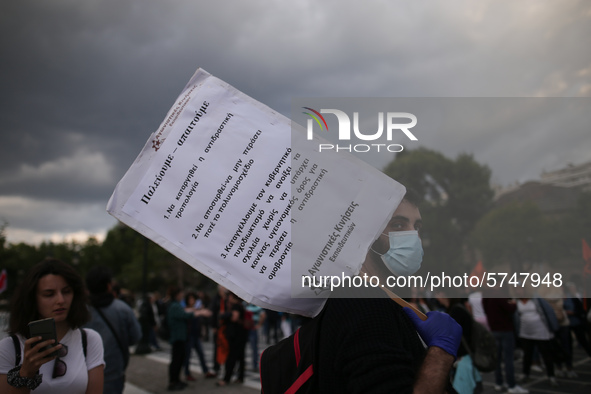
405,254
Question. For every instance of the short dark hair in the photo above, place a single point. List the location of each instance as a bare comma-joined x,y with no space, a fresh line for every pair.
98,279
24,302
412,197
173,291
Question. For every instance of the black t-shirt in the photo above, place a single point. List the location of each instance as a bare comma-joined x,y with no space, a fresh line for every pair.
367,345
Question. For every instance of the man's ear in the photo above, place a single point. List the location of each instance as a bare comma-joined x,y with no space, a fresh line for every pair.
110,287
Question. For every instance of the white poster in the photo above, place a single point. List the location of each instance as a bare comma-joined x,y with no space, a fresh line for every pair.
225,185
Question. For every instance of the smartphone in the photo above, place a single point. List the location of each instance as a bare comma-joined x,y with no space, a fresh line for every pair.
44,328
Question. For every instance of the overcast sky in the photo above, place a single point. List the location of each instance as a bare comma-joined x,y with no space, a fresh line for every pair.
84,83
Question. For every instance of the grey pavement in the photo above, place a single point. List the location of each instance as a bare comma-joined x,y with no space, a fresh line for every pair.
539,383
148,373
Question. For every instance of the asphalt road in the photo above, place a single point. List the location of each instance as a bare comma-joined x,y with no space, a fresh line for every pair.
148,374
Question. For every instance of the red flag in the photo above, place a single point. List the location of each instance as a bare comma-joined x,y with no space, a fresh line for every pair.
478,271
587,258
3,281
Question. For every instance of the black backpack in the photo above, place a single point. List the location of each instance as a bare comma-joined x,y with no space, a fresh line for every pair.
483,348
290,365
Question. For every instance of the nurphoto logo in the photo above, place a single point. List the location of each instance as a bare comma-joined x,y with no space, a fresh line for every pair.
395,122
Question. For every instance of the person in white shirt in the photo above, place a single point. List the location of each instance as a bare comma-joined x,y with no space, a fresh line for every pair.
51,289
536,326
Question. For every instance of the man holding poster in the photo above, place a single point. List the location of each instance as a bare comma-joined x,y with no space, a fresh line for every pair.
367,343
237,190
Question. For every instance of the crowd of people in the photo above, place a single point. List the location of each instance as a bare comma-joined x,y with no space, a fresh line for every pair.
185,318
95,327
97,324
539,331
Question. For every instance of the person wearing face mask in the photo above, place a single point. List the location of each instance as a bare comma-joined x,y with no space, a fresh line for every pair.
369,344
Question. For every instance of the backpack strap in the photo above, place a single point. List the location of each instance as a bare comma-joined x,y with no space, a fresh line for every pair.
296,347
303,378
124,350
468,348
84,340
288,366
17,350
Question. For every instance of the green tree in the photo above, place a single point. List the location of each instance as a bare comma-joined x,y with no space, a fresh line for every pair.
582,216
2,237
517,233
125,251
89,254
567,233
17,259
461,186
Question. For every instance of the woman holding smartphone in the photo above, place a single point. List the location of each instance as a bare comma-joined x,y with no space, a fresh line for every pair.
51,289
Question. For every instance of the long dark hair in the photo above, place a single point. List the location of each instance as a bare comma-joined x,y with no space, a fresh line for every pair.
24,302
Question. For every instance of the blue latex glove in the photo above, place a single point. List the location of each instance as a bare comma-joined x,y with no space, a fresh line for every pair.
440,330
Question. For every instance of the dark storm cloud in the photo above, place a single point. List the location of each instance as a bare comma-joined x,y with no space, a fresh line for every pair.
84,83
